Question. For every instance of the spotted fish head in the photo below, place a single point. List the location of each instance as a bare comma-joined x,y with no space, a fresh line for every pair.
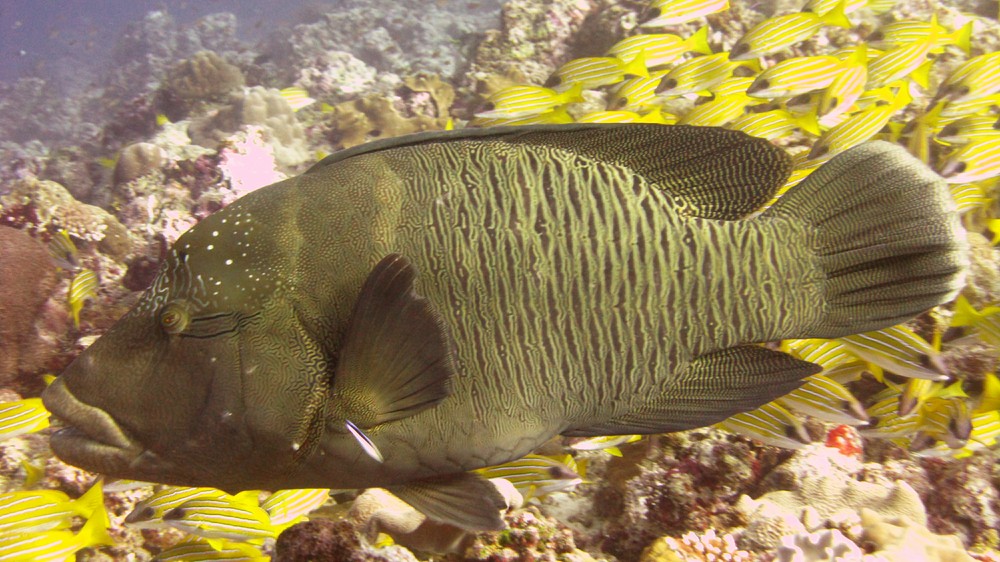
200,383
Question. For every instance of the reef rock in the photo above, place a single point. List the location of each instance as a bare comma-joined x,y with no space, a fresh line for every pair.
137,160
27,276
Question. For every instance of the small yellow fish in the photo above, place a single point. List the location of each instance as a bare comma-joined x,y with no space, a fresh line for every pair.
592,72
944,419
148,513
287,506
108,163
838,362
64,252
606,443
676,12
717,112
985,430
970,197
200,550
43,510
777,33
661,49
885,422
21,417
985,322
33,473
795,76
857,128
826,399
917,392
521,101
846,87
161,120
221,518
823,7
55,545
536,476
976,161
899,350
972,80
697,75
910,31
654,116
770,424
903,61
636,93
558,115
82,288
968,128
296,97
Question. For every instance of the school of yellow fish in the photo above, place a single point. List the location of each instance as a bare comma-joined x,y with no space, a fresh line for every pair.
883,87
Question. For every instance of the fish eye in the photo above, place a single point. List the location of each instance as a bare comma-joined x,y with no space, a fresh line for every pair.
668,84
148,512
738,49
174,318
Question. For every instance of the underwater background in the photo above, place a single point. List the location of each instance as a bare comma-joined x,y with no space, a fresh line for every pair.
122,124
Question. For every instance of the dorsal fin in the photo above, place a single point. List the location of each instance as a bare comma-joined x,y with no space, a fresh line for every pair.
711,172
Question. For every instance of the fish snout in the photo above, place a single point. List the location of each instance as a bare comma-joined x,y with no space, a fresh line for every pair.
90,437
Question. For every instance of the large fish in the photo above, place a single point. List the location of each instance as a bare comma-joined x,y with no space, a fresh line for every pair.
409,310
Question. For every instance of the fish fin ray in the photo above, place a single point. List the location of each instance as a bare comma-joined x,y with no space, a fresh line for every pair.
711,172
396,359
465,500
884,232
712,388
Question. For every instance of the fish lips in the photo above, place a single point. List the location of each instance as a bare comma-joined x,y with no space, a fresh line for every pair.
91,439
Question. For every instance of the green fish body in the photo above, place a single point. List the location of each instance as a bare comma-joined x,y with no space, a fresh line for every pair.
413,309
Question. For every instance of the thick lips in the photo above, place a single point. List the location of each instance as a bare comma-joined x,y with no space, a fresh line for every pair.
92,439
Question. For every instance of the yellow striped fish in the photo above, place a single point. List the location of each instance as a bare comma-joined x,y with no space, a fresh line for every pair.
770,424
593,72
910,31
838,363
536,476
654,116
825,399
64,252
944,419
885,422
636,93
917,392
821,7
82,287
903,61
792,77
661,49
20,417
857,128
846,87
697,75
221,518
985,430
976,161
521,101
974,79
970,197
985,322
148,513
287,506
676,12
606,443
899,350
957,109
777,33
27,511
968,128
296,97
558,115
200,550
54,545
717,112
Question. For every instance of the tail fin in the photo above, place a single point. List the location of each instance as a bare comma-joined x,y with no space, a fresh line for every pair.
885,232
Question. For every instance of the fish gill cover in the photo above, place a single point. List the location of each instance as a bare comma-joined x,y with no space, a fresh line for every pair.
894,440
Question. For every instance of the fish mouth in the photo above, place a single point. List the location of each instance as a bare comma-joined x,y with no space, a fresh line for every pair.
91,438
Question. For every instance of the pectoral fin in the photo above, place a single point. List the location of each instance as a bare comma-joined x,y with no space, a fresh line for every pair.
712,388
465,500
396,358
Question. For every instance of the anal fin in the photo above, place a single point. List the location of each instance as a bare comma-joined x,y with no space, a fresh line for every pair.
396,357
465,500
712,388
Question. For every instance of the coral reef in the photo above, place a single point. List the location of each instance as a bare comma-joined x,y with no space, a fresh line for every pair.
203,77
333,541
137,160
27,278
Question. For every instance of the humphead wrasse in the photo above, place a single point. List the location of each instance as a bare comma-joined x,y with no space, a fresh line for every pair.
409,310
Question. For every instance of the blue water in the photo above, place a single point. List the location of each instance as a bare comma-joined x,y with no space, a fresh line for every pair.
58,40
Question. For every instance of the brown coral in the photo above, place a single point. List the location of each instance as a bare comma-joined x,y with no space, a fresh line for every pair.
137,160
27,276
205,76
